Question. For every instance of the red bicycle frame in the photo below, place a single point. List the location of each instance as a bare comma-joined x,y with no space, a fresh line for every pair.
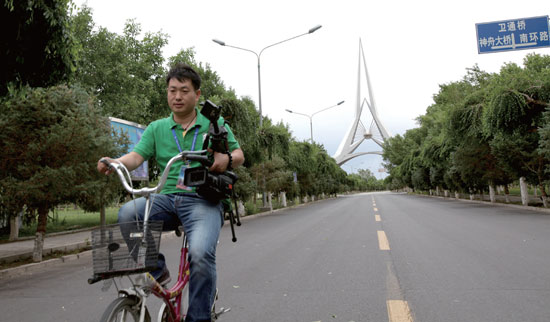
172,297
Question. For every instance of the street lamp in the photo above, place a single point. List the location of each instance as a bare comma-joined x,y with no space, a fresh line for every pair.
222,43
311,117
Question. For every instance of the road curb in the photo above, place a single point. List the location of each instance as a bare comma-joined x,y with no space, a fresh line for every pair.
46,251
10,273
488,203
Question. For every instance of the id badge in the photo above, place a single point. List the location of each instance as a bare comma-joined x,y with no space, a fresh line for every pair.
181,179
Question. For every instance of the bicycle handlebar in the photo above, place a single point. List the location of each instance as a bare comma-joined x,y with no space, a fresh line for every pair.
124,174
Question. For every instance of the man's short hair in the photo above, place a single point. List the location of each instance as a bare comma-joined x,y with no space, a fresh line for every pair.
182,72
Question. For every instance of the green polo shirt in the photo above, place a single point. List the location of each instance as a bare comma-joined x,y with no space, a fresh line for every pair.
158,141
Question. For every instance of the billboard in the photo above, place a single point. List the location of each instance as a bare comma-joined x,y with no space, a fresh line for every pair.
134,132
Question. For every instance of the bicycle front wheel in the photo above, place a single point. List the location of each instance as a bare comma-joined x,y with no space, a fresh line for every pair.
124,309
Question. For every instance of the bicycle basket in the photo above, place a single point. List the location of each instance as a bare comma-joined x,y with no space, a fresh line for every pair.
126,248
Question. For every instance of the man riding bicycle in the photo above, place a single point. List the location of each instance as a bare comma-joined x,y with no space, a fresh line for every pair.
184,130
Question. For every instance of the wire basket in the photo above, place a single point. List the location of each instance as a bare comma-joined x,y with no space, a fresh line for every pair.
127,248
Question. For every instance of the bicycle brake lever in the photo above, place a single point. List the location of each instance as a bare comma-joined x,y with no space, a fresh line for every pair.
106,162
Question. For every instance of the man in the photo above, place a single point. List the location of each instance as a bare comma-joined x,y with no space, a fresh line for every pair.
185,129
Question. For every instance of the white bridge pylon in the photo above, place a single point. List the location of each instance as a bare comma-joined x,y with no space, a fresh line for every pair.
357,132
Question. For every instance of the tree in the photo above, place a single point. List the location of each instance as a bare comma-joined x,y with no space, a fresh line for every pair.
100,190
519,97
37,45
243,118
50,141
125,73
300,159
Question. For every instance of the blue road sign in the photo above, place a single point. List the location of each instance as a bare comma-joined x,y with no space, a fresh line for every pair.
506,35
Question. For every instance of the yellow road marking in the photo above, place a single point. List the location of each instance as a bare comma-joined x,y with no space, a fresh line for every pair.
377,217
383,240
398,311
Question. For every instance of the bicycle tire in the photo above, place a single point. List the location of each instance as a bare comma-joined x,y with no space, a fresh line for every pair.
128,307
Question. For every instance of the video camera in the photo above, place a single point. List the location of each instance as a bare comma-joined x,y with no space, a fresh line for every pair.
212,186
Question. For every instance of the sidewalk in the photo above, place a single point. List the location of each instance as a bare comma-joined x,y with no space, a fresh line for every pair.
23,249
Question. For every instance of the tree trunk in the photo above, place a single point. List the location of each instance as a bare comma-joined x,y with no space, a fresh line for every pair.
492,193
40,232
14,227
283,198
269,201
524,193
102,220
507,193
543,195
241,208
457,195
446,193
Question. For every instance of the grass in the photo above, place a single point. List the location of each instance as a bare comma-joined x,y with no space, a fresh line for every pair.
67,220
515,191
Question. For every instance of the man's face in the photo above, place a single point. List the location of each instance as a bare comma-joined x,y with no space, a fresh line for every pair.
182,96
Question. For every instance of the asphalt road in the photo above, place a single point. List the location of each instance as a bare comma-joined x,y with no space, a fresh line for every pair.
369,257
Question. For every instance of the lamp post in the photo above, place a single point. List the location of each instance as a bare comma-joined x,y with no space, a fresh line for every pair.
221,43
311,117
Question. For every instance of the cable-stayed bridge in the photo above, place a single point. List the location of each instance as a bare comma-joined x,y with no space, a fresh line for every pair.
358,132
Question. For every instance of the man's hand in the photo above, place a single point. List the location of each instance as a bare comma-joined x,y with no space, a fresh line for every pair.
131,161
104,168
221,161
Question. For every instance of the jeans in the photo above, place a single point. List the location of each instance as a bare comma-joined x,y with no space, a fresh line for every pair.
202,221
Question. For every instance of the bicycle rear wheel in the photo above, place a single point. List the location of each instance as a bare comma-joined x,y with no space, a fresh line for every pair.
124,309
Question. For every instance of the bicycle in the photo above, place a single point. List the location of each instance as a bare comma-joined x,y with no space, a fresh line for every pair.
110,260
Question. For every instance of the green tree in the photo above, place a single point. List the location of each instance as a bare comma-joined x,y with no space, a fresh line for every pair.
50,141
125,72
518,99
243,118
37,46
300,159
100,190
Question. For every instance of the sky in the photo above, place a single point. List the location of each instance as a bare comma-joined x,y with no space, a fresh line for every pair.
411,47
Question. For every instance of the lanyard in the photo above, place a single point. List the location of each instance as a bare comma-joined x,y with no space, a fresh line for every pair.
194,138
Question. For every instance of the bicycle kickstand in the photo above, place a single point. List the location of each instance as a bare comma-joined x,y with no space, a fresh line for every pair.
222,310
